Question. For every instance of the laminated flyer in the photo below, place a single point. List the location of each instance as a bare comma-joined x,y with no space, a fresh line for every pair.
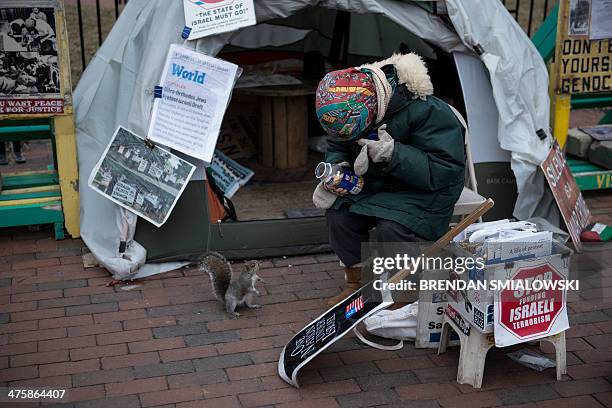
146,181
208,17
229,175
190,102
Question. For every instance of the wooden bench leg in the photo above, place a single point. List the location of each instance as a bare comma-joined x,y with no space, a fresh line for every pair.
67,168
558,341
445,335
473,354
59,230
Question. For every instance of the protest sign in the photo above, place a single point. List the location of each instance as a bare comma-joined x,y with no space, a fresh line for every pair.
191,101
34,61
533,312
147,181
583,60
569,199
326,329
207,17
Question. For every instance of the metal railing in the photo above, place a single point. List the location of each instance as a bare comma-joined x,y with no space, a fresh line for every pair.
91,20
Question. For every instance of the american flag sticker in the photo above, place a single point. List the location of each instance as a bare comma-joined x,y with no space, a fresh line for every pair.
353,307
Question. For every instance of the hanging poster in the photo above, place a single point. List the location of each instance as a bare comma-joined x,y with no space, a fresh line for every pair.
32,57
190,102
147,181
601,20
207,17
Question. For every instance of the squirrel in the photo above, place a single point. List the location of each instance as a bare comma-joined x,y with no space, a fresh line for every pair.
233,292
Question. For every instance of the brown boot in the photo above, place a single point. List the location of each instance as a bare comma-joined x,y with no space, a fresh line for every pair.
352,276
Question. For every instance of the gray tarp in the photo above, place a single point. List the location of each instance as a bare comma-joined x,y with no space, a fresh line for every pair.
116,89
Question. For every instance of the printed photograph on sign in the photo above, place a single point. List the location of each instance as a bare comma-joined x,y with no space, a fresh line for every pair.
579,17
29,66
28,52
147,181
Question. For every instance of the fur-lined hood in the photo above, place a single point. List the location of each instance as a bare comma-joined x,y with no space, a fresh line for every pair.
411,71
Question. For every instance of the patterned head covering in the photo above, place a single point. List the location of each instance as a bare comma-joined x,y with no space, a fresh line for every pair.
346,103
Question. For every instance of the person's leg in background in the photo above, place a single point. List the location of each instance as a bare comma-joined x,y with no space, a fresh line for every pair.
393,238
347,232
3,158
19,158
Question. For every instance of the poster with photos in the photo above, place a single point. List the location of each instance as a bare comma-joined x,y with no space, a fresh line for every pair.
30,79
145,180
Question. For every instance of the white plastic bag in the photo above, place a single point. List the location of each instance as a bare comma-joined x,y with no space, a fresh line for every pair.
399,324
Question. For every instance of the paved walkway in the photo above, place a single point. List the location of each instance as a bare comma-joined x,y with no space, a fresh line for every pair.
166,342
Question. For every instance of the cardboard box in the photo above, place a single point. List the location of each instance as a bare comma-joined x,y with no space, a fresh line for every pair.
477,306
431,313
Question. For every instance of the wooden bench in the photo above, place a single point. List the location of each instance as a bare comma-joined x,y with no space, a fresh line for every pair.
31,198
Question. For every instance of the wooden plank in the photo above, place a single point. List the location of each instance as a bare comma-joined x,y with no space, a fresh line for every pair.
32,214
297,131
54,187
26,201
27,132
24,129
31,179
589,176
27,173
68,170
266,132
23,196
281,126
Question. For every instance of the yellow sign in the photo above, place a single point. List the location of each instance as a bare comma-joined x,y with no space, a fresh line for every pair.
583,65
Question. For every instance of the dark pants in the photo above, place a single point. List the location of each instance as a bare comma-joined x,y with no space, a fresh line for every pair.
348,231
16,147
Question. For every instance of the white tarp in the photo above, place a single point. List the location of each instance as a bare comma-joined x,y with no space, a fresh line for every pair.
116,89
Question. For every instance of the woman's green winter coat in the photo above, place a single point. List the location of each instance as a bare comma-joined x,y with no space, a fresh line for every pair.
419,187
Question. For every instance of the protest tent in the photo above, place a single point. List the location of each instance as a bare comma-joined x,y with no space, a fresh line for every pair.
480,60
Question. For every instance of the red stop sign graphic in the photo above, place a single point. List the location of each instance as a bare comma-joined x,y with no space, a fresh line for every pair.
530,313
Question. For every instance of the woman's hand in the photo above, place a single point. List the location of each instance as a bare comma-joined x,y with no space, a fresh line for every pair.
334,190
378,151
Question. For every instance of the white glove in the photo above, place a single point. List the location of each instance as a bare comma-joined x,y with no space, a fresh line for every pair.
380,150
323,198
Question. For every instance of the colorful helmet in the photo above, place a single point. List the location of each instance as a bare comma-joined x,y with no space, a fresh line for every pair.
346,103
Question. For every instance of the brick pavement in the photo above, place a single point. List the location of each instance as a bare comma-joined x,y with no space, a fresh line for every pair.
165,342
